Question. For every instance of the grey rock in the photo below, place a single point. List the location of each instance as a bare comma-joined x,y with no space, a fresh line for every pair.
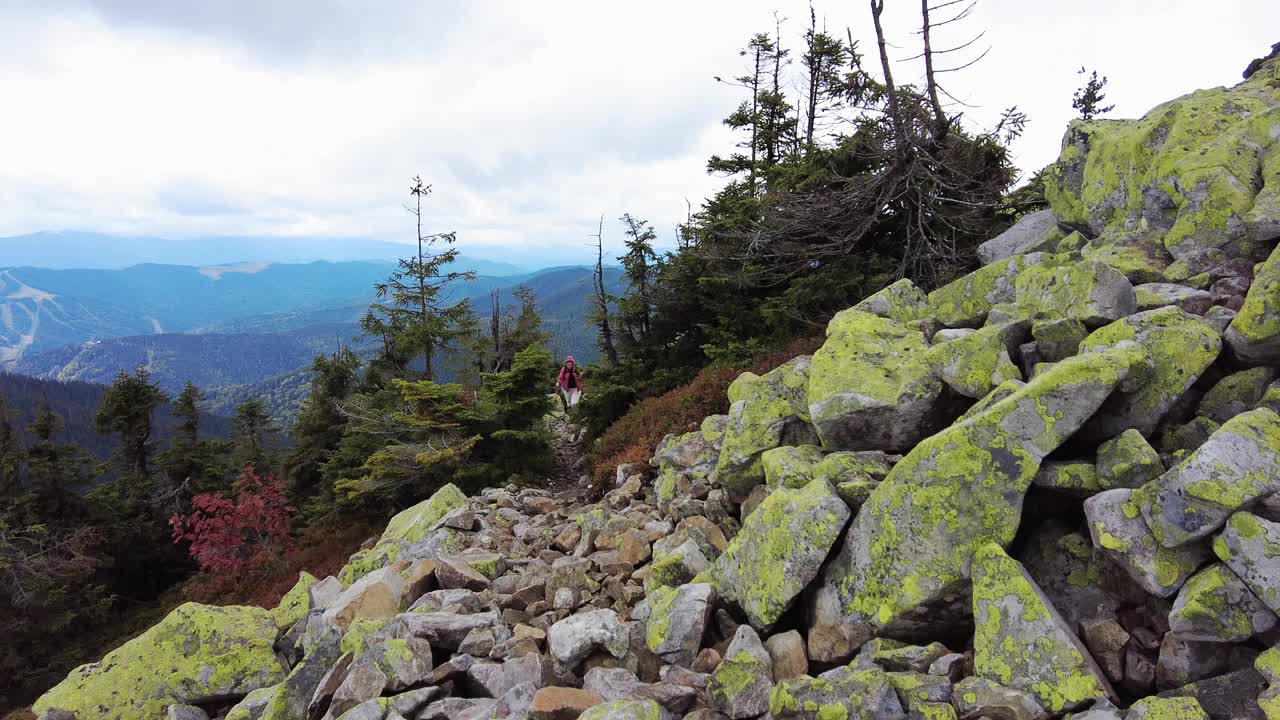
1215,605
740,686
1240,463
1117,527
1248,546
1186,661
976,698
1031,230
571,640
185,712
787,651
364,682
324,593
861,694
678,620
445,631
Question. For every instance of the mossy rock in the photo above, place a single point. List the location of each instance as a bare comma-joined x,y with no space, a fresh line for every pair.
413,524
197,654
978,362
906,555
1167,708
1092,292
870,387
766,412
1033,231
1237,393
1021,642
1127,461
1239,464
966,302
902,301
1139,255
1250,546
779,550
1215,605
846,693
295,603
1079,479
1187,170
1254,333
1268,664
1058,338
790,467
624,710
1182,346
1116,526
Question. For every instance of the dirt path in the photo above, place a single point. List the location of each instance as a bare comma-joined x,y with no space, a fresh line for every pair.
570,467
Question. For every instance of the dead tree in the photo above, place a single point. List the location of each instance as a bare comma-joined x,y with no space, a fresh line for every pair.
601,310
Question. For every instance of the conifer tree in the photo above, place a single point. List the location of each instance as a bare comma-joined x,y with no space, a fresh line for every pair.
126,410
413,316
252,423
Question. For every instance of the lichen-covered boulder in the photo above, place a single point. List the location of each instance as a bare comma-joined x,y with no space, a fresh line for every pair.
295,603
293,696
1268,664
975,697
1250,546
1117,527
1033,231
1171,708
413,524
1127,461
1075,478
677,566
677,621
790,467
870,387
1236,393
966,302
1058,338
197,654
976,363
1021,641
905,559
765,412
1181,345
902,301
624,710
1189,169
847,692
1158,295
740,686
1216,606
1091,292
1239,464
779,550
1254,333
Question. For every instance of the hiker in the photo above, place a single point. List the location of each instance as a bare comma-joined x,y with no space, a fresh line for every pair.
569,383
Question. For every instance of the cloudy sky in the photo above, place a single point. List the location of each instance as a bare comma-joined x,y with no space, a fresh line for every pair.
180,118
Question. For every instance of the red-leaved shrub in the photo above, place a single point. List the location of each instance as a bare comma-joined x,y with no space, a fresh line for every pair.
231,538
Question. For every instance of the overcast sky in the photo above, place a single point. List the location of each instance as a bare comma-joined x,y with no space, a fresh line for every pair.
179,118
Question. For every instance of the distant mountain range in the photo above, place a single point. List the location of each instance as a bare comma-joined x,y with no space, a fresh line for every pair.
240,331
89,250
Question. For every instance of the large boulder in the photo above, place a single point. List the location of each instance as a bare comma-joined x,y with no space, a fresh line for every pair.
1250,546
1021,642
966,302
1183,346
779,551
847,692
677,621
765,412
1239,464
196,655
902,301
1237,393
975,364
1033,231
1198,170
1254,333
870,387
1117,527
375,595
905,560
1092,292
740,686
1216,606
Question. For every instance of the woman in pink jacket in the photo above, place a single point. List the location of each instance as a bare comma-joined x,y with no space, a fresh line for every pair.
569,383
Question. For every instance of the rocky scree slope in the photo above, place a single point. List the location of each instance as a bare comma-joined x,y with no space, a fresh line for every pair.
1047,489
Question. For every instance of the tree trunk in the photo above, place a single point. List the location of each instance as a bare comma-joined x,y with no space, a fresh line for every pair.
939,117
602,300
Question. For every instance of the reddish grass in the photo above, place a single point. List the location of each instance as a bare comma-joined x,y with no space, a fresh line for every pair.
634,436
321,551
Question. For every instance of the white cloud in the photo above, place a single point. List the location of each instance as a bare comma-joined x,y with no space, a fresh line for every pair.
531,119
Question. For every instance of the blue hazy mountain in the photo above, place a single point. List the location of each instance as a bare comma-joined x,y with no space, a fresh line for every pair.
72,249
